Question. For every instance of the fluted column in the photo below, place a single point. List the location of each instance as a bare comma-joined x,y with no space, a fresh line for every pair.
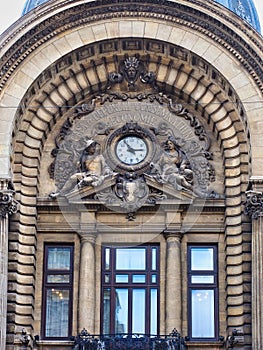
8,206
173,282
254,208
86,308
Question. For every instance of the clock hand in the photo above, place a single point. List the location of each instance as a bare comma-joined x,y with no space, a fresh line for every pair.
129,148
138,149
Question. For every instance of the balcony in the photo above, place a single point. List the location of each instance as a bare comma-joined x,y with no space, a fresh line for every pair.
86,341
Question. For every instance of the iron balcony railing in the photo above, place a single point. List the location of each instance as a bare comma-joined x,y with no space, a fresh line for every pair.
86,341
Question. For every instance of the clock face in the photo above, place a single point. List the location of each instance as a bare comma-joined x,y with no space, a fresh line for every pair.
131,150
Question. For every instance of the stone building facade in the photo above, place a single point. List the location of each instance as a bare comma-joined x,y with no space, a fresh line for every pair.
131,174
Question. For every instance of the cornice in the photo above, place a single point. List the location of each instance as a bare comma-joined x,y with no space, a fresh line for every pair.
173,12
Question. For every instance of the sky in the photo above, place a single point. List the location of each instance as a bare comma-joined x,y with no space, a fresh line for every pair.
11,10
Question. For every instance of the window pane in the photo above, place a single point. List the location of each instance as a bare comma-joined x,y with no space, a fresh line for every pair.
107,279
202,259
154,278
106,311
58,278
107,258
122,278
121,311
58,258
138,311
154,260
202,279
138,278
57,313
203,324
153,329
130,259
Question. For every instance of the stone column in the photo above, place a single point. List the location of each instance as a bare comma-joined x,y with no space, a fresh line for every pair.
86,307
173,281
254,208
8,206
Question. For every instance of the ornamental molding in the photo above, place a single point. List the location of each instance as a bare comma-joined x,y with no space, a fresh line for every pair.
93,12
253,206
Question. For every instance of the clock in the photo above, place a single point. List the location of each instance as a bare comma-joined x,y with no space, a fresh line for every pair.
131,149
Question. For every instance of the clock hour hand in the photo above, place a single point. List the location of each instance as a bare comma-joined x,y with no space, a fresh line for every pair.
138,149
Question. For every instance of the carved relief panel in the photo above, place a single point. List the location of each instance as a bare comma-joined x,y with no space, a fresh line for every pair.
131,146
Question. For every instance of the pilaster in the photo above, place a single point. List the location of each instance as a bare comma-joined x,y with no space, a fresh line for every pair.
8,206
254,208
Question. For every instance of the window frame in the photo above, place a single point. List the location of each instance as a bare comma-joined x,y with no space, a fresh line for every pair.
112,285
63,286
203,286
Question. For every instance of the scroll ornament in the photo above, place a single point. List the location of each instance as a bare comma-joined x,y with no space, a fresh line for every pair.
8,205
254,204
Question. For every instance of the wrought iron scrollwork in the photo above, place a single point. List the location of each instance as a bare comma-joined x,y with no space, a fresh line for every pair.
86,341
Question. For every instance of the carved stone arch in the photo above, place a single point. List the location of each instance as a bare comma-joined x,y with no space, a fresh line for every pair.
54,95
218,103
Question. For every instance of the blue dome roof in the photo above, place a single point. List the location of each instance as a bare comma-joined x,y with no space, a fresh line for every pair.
31,4
243,8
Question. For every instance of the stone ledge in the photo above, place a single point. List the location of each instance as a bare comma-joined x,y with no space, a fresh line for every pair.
194,345
54,344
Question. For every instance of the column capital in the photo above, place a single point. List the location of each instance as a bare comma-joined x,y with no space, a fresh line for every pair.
253,206
88,236
173,234
8,205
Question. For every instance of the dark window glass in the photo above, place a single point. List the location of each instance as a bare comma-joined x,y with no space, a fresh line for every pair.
131,294
202,292
57,292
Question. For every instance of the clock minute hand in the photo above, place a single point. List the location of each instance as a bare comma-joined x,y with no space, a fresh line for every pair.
129,148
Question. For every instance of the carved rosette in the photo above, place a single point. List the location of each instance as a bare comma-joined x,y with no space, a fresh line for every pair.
8,205
254,204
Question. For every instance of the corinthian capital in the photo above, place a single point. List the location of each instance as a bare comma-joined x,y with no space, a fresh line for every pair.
254,204
8,205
